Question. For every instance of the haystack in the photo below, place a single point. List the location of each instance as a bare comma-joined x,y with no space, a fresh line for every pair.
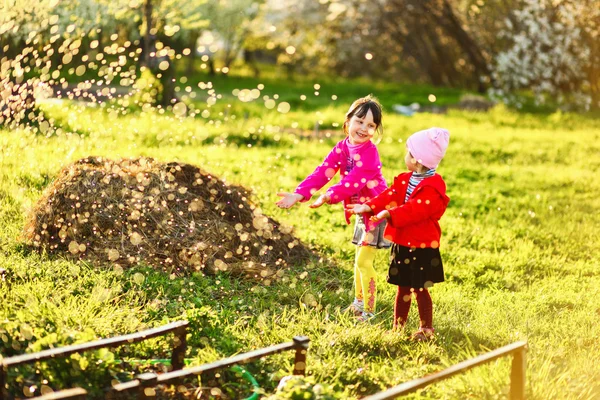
173,216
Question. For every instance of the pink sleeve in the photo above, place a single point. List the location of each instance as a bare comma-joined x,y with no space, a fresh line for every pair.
321,175
365,169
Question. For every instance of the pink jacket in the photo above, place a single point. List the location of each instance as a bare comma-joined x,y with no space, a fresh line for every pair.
364,180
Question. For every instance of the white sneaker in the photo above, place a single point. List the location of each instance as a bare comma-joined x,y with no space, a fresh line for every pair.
365,317
356,308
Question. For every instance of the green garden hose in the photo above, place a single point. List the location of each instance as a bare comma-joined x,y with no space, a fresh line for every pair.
246,375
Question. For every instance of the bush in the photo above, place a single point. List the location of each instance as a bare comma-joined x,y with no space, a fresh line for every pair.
148,89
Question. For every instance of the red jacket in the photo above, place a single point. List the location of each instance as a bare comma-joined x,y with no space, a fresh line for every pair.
414,223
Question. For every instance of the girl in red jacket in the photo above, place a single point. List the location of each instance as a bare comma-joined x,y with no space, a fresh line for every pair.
413,206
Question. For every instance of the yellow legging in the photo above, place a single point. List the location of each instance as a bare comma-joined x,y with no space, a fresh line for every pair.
364,277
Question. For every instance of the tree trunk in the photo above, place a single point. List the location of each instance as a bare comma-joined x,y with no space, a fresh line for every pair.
448,20
417,46
211,67
593,75
444,62
251,62
227,61
190,68
421,42
149,38
167,80
152,61
593,71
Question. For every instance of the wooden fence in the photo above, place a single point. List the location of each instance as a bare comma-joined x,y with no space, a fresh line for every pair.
145,383
179,329
517,375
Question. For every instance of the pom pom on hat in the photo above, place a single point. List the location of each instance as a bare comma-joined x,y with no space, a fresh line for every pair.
428,146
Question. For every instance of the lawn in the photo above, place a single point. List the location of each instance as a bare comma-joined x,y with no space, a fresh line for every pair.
520,245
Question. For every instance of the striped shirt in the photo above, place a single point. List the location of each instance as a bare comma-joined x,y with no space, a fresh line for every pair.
415,179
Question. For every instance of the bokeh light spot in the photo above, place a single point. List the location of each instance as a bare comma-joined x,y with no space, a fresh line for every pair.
283,107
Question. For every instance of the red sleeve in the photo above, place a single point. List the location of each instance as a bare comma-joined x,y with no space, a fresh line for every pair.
387,199
379,202
424,205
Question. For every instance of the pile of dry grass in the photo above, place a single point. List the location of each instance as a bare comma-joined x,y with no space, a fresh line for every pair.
170,216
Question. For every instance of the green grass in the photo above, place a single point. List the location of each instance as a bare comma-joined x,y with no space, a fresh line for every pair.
521,247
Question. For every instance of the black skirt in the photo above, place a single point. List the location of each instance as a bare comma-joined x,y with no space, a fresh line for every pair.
415,267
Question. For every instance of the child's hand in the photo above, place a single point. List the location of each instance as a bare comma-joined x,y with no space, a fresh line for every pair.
381,215
288,199
358,208
322,199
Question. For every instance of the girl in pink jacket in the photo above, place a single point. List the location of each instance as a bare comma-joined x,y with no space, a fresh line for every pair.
357,159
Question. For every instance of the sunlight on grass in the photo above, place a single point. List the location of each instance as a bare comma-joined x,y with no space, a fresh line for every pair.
520,244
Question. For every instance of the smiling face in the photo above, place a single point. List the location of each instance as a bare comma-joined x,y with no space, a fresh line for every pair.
361,129
363,119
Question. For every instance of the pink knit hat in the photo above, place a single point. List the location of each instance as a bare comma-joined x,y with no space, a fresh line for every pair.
429,146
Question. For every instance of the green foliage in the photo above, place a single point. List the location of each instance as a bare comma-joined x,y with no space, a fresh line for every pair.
303,388
148,89
231,22
210,325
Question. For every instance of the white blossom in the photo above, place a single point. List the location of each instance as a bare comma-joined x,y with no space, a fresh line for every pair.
551,53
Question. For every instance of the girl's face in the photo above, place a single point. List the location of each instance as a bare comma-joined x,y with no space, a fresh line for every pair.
361,130
411,162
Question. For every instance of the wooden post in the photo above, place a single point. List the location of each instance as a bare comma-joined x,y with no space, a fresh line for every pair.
517,374
3,280
149,38
301,343
179,347
147,383
2,380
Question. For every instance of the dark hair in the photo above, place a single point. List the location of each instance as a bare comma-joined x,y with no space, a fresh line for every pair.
361,107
